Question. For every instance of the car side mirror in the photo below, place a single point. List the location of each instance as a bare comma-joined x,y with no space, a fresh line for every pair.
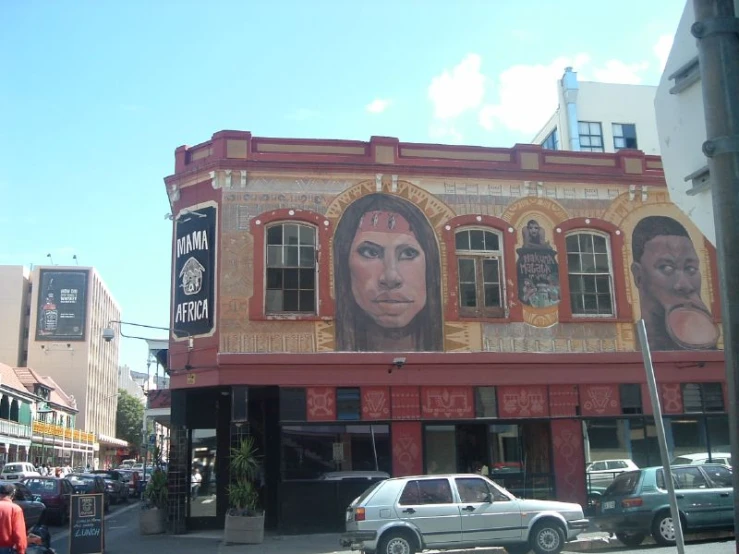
37,498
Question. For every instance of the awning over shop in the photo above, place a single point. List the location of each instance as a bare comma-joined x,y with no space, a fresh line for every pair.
105,440
15,440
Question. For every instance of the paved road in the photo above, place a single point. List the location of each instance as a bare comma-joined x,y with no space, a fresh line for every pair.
719,546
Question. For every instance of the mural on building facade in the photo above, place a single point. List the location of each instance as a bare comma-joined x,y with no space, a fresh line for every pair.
387,278
667,274
537,268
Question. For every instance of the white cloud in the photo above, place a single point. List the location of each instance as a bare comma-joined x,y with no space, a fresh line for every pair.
456,91
662,49
527,95
616,71
378,105
302,114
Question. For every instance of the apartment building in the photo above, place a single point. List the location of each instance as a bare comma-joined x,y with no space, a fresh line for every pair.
601,117
15,311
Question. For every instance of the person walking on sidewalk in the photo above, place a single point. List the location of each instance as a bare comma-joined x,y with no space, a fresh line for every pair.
12,525
195,480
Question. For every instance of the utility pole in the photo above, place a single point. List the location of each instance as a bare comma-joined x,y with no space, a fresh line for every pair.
717,29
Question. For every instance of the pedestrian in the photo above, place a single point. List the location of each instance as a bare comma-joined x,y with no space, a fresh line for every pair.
13,538
195,480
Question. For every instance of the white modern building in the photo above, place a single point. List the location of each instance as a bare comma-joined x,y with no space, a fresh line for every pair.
682,128
601,117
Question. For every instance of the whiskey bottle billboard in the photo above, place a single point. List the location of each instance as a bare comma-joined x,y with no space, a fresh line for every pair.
62,304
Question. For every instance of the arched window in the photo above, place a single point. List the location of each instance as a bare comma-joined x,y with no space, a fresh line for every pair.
480,272
4,408
290,268
590,274
14,411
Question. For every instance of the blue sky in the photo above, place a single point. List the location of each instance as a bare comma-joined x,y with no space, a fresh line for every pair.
95,97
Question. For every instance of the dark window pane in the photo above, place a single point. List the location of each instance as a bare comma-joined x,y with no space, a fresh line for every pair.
631,143
347,404
307,301
576,285
307,278
466,271
603,284
578,306
292,404
291,256
307,256
485,402
273,301
591,306
290,234
604,304
290,301
631,399
600,244
588,263
588,283
467,296
572,243
492,296
573,263
477,240
601,263
274,234
307,235
274,278
629,131
713,397
435,491
491,241
490,271
692,401
586,243
411,495
290,279
274,256
462,240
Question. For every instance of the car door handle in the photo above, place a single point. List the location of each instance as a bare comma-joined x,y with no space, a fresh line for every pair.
679,496
724,494
468,509
409,511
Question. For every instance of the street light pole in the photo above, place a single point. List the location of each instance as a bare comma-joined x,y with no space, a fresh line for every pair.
717,30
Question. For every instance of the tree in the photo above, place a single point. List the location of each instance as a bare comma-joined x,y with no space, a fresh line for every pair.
128,421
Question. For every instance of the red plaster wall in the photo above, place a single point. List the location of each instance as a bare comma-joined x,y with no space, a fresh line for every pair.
407,448
569,460
600,400
375,403
321,402
523,401
447,402
406,403
563,400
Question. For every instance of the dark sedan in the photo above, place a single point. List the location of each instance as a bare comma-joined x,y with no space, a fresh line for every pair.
55,495
88,483
116,483
33,508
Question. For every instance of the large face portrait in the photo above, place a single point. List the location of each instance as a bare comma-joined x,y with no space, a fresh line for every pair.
667,273
387,277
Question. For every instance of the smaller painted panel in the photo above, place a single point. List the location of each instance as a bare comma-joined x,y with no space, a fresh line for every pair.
563,400
375,403
524,401
321,402
406,438
569,460
600,400
448,402
671,398
406,403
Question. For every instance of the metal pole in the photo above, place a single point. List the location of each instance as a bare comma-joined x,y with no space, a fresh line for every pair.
717,31
374,446
641,329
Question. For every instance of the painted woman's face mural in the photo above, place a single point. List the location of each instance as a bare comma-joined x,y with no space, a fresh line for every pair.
387,278
388,269
667,274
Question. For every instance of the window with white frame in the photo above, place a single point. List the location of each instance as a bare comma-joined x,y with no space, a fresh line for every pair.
624,136
480,272
590,274
291,269
591,136
552,141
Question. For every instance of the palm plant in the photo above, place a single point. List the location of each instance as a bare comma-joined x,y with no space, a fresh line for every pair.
245,467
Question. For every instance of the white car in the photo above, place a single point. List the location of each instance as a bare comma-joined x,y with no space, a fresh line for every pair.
15,471
703,458
605,471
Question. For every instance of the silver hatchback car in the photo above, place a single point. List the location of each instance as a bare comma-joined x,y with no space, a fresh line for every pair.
406,515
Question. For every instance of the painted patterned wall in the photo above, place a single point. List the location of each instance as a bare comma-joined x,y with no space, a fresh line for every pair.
431,264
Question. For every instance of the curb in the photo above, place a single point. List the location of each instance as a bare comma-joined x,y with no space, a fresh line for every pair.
595,544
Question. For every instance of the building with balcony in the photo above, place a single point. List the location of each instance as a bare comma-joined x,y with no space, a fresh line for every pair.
17,407
419,308
601,117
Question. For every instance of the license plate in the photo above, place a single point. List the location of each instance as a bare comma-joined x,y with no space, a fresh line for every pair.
609,505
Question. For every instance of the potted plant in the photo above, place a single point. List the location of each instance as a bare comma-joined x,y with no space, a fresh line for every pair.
245,518
153,518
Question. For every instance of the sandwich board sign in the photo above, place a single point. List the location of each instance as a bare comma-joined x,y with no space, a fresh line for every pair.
87,524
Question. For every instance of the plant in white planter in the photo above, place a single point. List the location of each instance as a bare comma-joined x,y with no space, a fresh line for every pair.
245,518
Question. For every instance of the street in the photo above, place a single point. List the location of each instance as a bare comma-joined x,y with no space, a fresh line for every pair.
123,537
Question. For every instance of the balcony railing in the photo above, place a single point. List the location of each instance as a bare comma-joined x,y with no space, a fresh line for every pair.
65,433
15,429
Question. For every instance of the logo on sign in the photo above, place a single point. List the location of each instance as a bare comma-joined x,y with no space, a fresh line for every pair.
192,277
87,506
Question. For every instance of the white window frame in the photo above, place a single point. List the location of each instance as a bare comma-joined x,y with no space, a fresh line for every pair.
590,135
611,277
316,299
482,255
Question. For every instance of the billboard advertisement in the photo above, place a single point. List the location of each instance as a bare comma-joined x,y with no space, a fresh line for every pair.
62,304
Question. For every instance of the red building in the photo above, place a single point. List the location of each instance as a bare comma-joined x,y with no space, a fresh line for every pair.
416,308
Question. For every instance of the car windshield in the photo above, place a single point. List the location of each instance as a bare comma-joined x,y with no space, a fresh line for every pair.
79,480
623,484
39,486
106,475
13,468
680,460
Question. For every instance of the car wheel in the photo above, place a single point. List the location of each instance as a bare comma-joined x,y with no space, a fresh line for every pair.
397,542
663,529
547,538
631,539
522,548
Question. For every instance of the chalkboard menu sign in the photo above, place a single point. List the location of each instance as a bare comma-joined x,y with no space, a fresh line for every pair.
86,524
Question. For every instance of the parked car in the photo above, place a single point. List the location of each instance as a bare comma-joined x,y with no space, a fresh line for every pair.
607,470
115,483
131,484
88,483
33,509
636,504
410,514
703,458
55,495
16,471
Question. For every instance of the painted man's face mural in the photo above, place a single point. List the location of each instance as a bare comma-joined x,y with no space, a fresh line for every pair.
667,274
387,278
388,269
